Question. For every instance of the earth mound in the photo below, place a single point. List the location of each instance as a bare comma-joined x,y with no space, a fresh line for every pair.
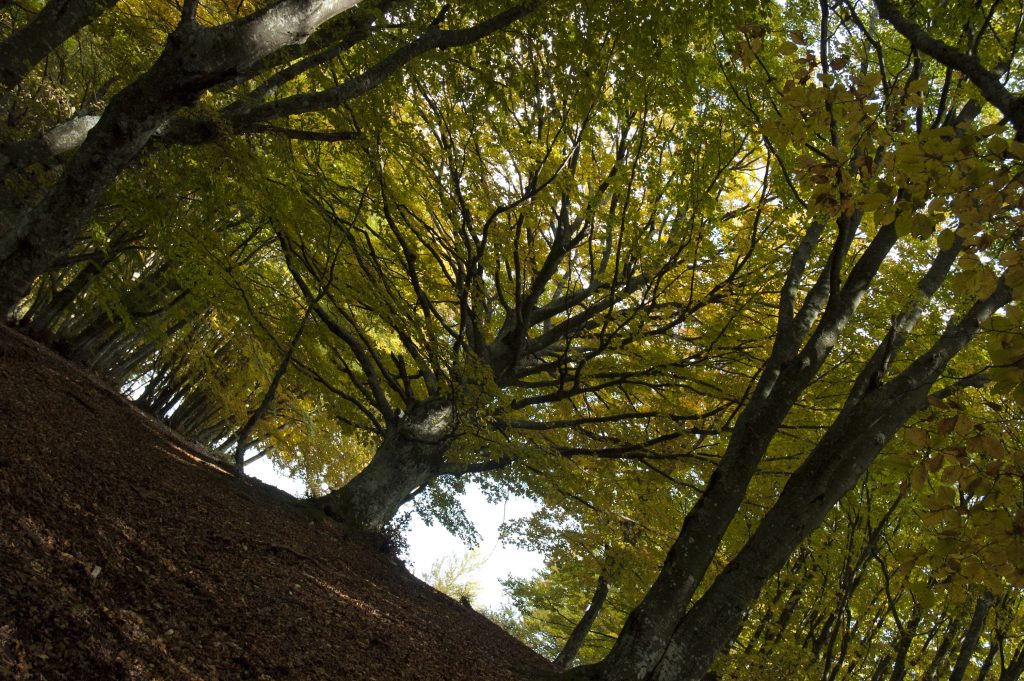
127,554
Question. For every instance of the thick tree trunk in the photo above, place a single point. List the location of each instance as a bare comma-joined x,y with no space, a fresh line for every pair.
194,60
410,456
571,651
55,23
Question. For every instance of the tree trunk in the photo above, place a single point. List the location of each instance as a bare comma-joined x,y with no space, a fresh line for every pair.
971,638
195,59
865,425
880,668
410,456
1013,671
899,667
987,664
579,633
242,441
46,31
943,651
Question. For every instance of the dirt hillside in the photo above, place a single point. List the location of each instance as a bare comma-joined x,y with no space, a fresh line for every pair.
125,555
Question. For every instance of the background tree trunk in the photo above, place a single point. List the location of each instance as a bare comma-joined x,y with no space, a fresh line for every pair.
579,633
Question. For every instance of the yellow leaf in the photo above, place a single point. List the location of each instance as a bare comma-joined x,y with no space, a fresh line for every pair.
916,436
871,81
971,568
964,424
918,477
992,129
946,238
997,146
787,48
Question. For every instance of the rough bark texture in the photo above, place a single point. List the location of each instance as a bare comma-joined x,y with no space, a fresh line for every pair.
830,470
47,30
574,643
787,373
409,457
867,422
194,59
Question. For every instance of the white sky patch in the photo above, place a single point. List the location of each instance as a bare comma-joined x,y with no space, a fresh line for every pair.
265,470
428,544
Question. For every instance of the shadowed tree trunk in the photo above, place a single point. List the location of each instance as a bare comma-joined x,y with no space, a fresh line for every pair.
971,637
662,641
242,441
574,643
1014,670
55,23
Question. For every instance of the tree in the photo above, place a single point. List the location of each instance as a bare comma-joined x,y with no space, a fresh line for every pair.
567,308
546,297
455,575
724,310
197,58
880,158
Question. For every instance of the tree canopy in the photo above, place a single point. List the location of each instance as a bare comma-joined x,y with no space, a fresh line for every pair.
732,289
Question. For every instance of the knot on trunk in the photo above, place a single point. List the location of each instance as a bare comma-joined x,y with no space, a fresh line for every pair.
431,421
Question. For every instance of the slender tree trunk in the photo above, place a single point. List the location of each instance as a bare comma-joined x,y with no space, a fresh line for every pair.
971,638
1013,671
880,668
242,439
865,425
39,320
987,664
941,653
899,666
571,651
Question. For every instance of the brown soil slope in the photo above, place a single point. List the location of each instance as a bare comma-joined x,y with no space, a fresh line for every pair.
123,555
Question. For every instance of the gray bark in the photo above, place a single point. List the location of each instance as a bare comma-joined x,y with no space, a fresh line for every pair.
194,59
46,31
788,372
574,643
867,422
989,82
410,456
830,470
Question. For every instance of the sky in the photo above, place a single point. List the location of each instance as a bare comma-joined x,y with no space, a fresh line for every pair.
428,544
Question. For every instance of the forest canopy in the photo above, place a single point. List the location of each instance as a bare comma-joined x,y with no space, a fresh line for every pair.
732,289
